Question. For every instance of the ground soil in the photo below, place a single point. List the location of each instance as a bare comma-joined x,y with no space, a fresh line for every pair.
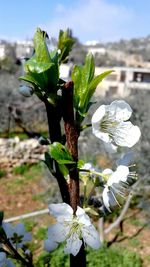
18,195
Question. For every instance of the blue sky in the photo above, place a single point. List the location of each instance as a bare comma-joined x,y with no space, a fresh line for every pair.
103,20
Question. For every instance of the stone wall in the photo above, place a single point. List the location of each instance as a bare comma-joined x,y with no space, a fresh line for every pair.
14,152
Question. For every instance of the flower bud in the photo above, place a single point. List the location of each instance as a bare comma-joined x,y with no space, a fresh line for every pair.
43,141
25,90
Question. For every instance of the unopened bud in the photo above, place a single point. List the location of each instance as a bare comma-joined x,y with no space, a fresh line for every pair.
59,51
25,90
43,141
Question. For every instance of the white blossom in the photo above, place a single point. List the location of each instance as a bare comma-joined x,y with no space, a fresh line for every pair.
17,234
88,171
117,186
110,124
84,171
88,166
71,228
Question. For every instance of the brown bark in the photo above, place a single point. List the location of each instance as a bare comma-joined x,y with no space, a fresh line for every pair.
72,144
54,117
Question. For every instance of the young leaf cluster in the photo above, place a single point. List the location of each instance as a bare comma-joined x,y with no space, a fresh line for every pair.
85,84
42,69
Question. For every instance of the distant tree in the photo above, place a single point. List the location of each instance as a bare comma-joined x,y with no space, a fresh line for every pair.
9,62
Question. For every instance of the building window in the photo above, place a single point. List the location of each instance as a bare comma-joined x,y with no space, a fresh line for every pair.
122,76
112,91
141,77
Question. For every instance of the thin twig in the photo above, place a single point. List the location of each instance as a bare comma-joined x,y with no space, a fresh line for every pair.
101,229
28,215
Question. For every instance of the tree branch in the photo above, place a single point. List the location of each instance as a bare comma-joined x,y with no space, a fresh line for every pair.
72,142
54,116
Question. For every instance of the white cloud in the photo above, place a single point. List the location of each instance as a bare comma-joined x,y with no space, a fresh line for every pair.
92,20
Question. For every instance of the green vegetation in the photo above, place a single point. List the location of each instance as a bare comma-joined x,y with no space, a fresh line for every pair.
24,175
41,233
104,257
134,242
29,225
27,169
137,222
2,173
22,169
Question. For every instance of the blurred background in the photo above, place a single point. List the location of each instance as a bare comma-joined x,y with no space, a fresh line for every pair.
118,35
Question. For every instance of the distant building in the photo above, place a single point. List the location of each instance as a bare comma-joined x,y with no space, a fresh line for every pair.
119,83
24,49
123,80
2,50
92,43
65,71
95,48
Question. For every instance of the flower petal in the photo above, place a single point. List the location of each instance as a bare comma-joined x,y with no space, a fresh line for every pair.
110,147
61,211
50,245
105,196
88,166
27,237
126,159
99,114
9,263
120,110
58,232
126,134
73,245
19,229
120,175
107,171
8,228
83,218
2,259
123,171
109,199
91,236
101,135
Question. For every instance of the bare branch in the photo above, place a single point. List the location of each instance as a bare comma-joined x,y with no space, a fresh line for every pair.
28,215
101,229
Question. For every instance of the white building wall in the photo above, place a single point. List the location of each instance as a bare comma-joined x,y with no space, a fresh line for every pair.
2,52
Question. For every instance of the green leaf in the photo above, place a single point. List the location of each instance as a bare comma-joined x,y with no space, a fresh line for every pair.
42,69
92,87
63,169
94,83
30,79
54,56
76,77
65,43
82,76
85,84
60,153
44,74
41,50
48,161
80,163
88,69
37,67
